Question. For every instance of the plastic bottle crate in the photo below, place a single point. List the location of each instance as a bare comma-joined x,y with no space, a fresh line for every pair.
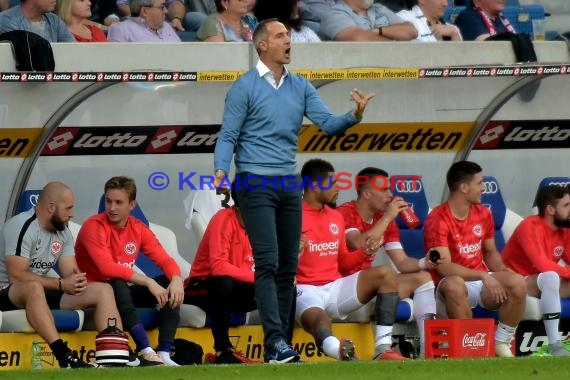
459,338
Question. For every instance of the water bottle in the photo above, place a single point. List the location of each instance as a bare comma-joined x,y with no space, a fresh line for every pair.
36,355
409,217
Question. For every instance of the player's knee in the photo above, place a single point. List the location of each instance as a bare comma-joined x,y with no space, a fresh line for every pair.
516,287
548,281
453,288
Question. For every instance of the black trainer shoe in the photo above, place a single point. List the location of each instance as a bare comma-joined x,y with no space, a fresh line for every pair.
72,361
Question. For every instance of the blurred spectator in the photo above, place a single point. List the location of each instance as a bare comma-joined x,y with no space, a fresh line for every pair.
313,10
287,12
483,19
4,4
426,15
231,23
198,11
36,16
75,14
107,12
147,26
363,20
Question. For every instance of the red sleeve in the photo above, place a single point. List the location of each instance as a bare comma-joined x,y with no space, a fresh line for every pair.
349,216
223,247
351,262
151,248
436,231
92,241
392,233
530,242
490,225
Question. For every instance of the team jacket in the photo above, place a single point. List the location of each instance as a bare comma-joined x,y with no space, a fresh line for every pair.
324,229
464,238
535,247
359,260
224,250
105,251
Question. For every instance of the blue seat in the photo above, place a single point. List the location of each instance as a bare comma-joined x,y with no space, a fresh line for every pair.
547,181
451,13
412,240
521,16
28,199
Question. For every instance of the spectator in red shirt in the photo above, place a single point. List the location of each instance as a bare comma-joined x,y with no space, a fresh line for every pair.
221,278
471,271
76,14
370,224
322,292
107,247
535,250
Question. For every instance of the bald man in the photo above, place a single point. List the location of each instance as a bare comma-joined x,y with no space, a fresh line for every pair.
32,243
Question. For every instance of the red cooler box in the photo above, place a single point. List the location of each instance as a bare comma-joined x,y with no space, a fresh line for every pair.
459,338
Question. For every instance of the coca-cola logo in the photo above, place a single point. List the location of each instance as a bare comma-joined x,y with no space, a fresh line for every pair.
474,341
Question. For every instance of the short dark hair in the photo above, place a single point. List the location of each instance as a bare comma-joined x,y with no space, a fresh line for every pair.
123,183
219,7
260,31
316,169
281,10
370,172
461,172
549,196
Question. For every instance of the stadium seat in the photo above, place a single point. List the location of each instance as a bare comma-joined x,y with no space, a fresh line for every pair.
521,16
505,220
65,320
547,181
200,206
412,239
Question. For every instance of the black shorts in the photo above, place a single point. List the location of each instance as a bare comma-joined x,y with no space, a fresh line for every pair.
53,298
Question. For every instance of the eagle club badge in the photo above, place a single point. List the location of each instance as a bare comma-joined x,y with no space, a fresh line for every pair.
130,248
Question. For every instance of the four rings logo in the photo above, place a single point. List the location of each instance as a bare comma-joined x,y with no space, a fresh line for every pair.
563,184
408,186
490,187
34,199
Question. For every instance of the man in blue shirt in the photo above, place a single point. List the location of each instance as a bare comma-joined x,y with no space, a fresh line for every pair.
263,115
482,20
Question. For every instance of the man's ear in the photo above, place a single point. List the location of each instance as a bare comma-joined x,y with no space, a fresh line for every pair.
132,204
262,45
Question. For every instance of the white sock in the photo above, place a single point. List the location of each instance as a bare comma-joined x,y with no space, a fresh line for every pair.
424,307
165,356
383,335
549,285
146,350
331,345
504,333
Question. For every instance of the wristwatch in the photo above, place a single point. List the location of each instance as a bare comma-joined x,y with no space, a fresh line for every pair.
220,171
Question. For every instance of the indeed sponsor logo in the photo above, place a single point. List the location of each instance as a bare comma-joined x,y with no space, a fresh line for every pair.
326,247
469,249
42,265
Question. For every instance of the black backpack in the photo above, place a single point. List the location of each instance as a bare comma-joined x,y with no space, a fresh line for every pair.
32,52
185,352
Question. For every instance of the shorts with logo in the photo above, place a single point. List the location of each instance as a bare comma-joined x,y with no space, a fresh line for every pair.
474,289
337,298
53,298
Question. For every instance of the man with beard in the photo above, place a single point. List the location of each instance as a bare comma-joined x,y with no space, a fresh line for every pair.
322,292
364,20
36,16
32,243
535,249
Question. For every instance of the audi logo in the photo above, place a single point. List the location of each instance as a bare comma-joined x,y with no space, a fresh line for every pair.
490,187
34,199
563,184
408,186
